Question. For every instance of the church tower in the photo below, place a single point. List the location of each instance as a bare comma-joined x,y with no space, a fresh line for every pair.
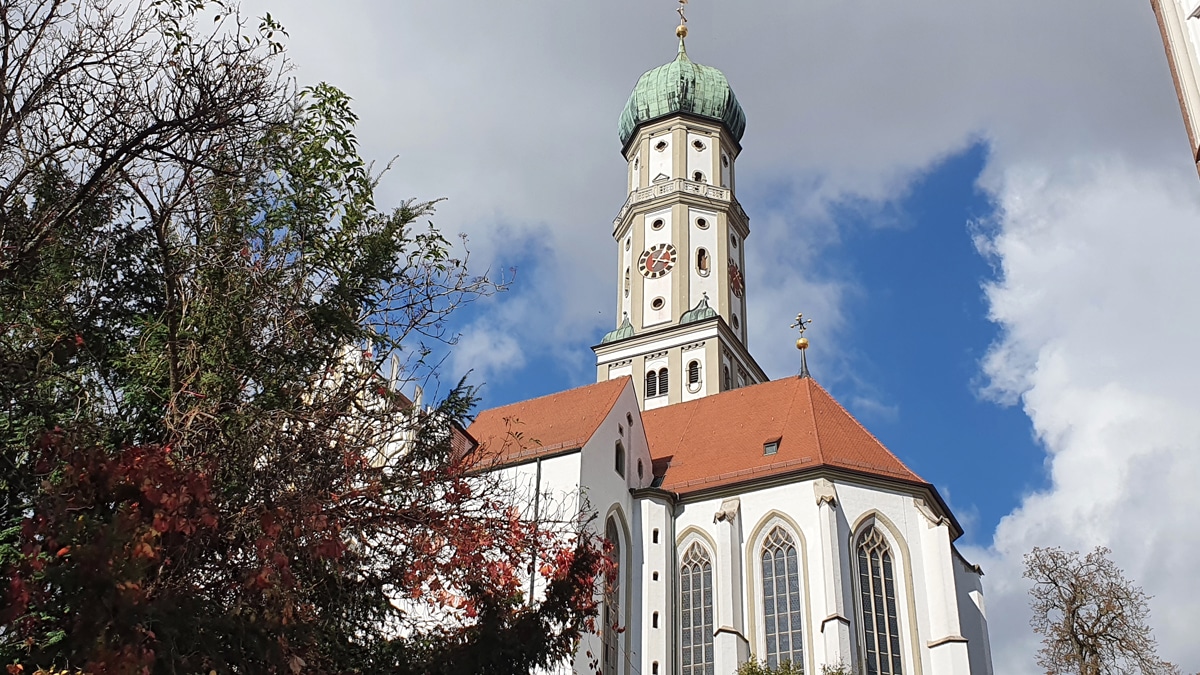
681,237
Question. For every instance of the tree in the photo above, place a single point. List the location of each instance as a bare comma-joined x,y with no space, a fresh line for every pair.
1091,618
202,468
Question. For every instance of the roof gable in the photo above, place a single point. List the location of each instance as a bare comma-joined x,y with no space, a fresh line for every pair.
543,426
718,440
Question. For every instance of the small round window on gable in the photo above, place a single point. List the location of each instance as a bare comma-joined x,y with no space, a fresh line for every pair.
658,224
698,145
702,223
658,303
660,146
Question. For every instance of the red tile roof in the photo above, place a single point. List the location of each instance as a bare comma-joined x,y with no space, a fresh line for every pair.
718,440
546,425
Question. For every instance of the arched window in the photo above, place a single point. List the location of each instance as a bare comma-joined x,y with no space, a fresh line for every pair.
651,383
693,374
612,604
619,459
702,262
627,282
664,382
782,615
725,377
879,629
696,612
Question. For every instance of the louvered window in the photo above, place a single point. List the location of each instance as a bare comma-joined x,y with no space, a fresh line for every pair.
664,382
696,612
651,384
612,605
782,615
879,629
694,373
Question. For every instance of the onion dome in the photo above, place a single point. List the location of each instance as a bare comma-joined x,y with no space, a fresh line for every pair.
682,86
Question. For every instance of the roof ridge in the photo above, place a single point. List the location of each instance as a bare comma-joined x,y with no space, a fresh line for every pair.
550,395
863,428
612,402
812,411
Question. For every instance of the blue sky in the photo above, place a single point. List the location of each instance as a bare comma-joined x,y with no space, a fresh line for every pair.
988,208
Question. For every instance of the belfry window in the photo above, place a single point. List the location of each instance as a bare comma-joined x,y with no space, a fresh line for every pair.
879,628
696,612
651,384
612,604
703,263
782,615
664,382
693,376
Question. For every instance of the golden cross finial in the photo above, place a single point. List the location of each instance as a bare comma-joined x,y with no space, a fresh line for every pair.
802,325
682,31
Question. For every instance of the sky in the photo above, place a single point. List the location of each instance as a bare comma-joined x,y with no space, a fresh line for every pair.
988,209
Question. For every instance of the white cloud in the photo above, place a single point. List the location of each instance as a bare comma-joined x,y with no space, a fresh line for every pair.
510,110
1098,270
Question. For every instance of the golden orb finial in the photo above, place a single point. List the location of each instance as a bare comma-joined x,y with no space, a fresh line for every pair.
802,325
682,31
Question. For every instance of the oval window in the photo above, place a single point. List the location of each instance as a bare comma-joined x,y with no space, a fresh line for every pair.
658,224
724,160
658,303
698,145
702,223
662,145
733,240
737,325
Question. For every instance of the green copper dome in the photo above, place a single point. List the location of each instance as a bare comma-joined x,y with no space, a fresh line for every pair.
682,86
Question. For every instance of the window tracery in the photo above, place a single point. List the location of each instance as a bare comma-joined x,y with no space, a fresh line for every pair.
782,612
612,603
696,612
879,627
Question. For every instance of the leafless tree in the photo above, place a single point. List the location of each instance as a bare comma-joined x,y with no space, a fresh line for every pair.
1093,621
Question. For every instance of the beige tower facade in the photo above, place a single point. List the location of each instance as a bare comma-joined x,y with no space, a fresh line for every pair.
681,236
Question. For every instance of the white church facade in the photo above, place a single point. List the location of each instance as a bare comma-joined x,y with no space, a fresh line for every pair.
749,518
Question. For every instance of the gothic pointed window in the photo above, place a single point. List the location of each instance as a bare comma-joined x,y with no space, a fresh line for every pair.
612,603
696,612
664,382
651,384
879,627
782,615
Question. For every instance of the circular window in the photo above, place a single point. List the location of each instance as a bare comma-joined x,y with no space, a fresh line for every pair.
660,146
737,325
658,224
657,304
702,223
698,145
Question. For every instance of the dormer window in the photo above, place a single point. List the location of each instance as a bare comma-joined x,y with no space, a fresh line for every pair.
771,447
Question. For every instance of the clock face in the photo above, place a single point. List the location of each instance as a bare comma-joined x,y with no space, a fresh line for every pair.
658,260
737,284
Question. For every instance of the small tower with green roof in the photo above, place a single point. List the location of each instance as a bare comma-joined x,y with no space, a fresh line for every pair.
681,294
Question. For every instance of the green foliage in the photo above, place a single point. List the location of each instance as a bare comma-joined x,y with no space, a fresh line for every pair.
755,667
201,468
